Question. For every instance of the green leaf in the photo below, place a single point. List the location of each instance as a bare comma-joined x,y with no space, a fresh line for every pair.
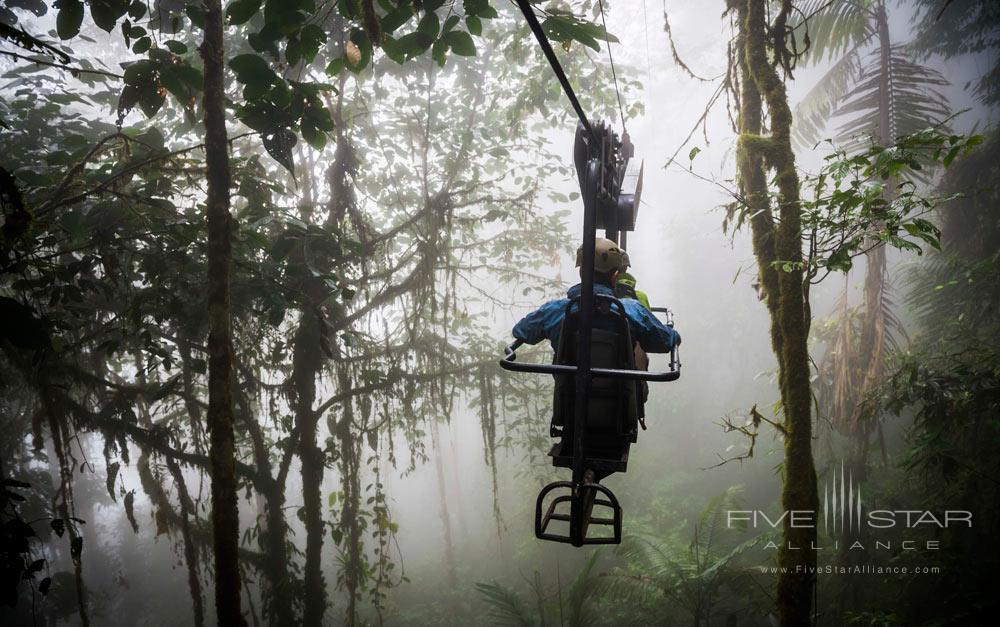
69,19
480,8
240,11
105,13
439,52
450,23
142,45
310,39
175,46
252,69
335,66
137,9
429,25
461,43
391,49
150,101
414,44
951,155
279,145
196,14
313,136
293,51
396,18
182,81
474,24
110,481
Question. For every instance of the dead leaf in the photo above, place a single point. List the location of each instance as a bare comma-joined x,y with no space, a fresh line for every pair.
130,510
352,52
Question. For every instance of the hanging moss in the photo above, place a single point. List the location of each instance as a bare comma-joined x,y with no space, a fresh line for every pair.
488,425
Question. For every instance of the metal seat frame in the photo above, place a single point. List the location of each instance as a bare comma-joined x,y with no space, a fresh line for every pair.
602,162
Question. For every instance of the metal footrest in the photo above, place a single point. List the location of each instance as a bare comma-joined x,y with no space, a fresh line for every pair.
582,499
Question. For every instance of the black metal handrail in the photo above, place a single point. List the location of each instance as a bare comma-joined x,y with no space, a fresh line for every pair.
509,363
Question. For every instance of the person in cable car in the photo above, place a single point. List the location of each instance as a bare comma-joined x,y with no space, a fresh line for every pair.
545,322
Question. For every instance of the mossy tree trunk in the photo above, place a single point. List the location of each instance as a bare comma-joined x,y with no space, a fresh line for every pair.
225,509
777,242
310,357
308,362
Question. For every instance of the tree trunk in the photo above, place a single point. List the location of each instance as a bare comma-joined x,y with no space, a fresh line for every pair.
874,333
784,289
874,329
308,360
350,470
449,549
225,509
275,533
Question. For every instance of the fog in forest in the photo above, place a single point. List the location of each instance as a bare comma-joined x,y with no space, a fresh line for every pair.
397,209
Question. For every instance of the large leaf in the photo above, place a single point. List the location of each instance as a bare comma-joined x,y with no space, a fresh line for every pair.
279,145
252,69
826,30
106,13
461,43
914,101
240,11
813,112
69,19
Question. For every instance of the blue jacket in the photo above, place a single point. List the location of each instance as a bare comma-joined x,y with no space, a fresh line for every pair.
545,322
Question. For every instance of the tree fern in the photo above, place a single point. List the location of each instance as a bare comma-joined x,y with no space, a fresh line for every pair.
877,92
914,103
814,111
854,35
826,30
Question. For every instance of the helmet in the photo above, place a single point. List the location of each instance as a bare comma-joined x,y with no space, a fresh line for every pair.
625,261
607,256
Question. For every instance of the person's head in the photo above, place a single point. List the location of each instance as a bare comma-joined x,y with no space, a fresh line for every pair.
608,260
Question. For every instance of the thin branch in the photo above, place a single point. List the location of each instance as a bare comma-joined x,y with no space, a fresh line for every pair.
62,66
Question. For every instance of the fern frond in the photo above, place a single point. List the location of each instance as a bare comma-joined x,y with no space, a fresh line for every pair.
813,112
507,609
581,592
721,563
832,27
